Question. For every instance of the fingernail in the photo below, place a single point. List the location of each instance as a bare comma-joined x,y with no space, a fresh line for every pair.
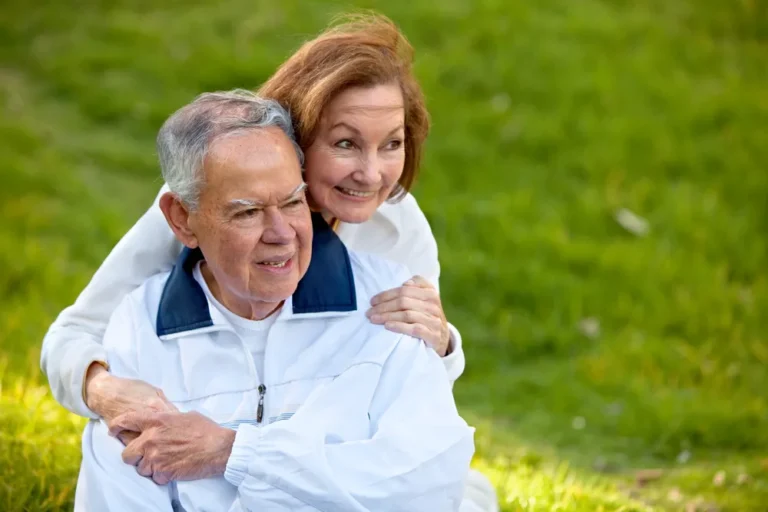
375,318
410,282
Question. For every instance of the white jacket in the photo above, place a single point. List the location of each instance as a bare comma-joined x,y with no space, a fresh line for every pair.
397,232
355,417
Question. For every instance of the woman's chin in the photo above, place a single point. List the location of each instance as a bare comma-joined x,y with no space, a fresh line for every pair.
354,215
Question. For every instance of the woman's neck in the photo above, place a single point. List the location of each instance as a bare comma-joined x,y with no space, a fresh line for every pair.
331,220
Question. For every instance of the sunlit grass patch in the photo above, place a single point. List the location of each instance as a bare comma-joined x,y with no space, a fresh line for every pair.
524,485
39,447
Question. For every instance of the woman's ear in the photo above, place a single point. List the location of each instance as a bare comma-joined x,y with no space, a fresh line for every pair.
177,215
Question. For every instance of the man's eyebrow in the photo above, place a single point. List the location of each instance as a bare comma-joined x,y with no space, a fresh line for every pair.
238,203
298,190
254,203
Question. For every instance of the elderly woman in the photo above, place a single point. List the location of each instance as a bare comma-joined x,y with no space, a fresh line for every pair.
360,118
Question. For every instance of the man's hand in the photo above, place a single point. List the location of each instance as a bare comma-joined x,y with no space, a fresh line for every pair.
413,309
175,445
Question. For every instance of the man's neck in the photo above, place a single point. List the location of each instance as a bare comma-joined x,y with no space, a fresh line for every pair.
251,310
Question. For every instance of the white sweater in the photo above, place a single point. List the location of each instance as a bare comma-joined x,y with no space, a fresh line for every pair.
397,232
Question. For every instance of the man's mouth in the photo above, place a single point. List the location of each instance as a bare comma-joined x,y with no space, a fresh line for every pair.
356,193
276,263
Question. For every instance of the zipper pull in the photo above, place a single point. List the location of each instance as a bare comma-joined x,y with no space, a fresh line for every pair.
260,409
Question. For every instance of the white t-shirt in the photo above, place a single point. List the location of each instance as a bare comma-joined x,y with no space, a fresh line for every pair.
252,332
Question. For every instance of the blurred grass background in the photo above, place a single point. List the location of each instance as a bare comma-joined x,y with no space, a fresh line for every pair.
594,351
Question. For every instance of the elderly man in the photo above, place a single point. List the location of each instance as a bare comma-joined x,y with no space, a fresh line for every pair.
287,397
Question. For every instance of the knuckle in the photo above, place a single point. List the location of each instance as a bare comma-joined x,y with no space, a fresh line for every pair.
156,403
149,443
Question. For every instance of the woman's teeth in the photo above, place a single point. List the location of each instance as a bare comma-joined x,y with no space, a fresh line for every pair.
355,193
273,264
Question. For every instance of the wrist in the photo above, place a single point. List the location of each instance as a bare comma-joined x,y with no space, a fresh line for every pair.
447,342
95,377
221,457
449,346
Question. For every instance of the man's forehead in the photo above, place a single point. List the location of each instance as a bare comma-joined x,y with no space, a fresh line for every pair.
255,166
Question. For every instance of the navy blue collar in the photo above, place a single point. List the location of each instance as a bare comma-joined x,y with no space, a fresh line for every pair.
328,285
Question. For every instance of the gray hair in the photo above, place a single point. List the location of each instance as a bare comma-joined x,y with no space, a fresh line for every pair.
186,137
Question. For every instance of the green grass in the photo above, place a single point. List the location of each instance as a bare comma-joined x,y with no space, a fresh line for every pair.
549,116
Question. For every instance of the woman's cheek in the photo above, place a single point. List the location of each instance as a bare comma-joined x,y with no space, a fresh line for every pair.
394,170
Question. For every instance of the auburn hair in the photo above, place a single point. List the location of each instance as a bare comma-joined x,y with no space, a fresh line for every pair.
358,51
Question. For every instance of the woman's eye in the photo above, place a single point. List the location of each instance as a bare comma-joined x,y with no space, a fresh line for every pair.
344,144
395,144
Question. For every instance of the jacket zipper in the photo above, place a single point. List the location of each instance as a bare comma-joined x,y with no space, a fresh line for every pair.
260,409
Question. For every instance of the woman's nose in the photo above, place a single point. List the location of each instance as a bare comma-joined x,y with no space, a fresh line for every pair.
369,170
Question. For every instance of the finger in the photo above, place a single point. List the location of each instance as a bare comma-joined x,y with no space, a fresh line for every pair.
380,313
413,330
405,304
408,316
127,436
386,296
144,468
135,421
161,478
134,452
421,282
426,294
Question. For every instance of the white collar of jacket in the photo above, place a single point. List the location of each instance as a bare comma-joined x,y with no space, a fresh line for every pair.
328,287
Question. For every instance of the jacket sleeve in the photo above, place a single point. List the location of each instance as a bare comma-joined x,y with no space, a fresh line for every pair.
415,456
74,341
106,483
423,260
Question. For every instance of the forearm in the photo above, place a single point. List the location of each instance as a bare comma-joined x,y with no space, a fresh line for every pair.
66,358
74,341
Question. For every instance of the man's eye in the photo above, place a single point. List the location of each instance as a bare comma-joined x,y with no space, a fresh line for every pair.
344,144
244,214
295,204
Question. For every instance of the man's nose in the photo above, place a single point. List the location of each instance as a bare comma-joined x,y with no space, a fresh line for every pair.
277,229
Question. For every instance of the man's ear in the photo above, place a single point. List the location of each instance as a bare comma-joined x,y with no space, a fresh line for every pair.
177,216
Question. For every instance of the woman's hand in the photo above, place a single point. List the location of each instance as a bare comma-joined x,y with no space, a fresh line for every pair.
110,396
413,309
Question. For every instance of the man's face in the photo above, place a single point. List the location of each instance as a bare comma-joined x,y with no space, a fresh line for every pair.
253,224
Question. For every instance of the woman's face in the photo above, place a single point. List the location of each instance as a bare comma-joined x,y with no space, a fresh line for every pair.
359,152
